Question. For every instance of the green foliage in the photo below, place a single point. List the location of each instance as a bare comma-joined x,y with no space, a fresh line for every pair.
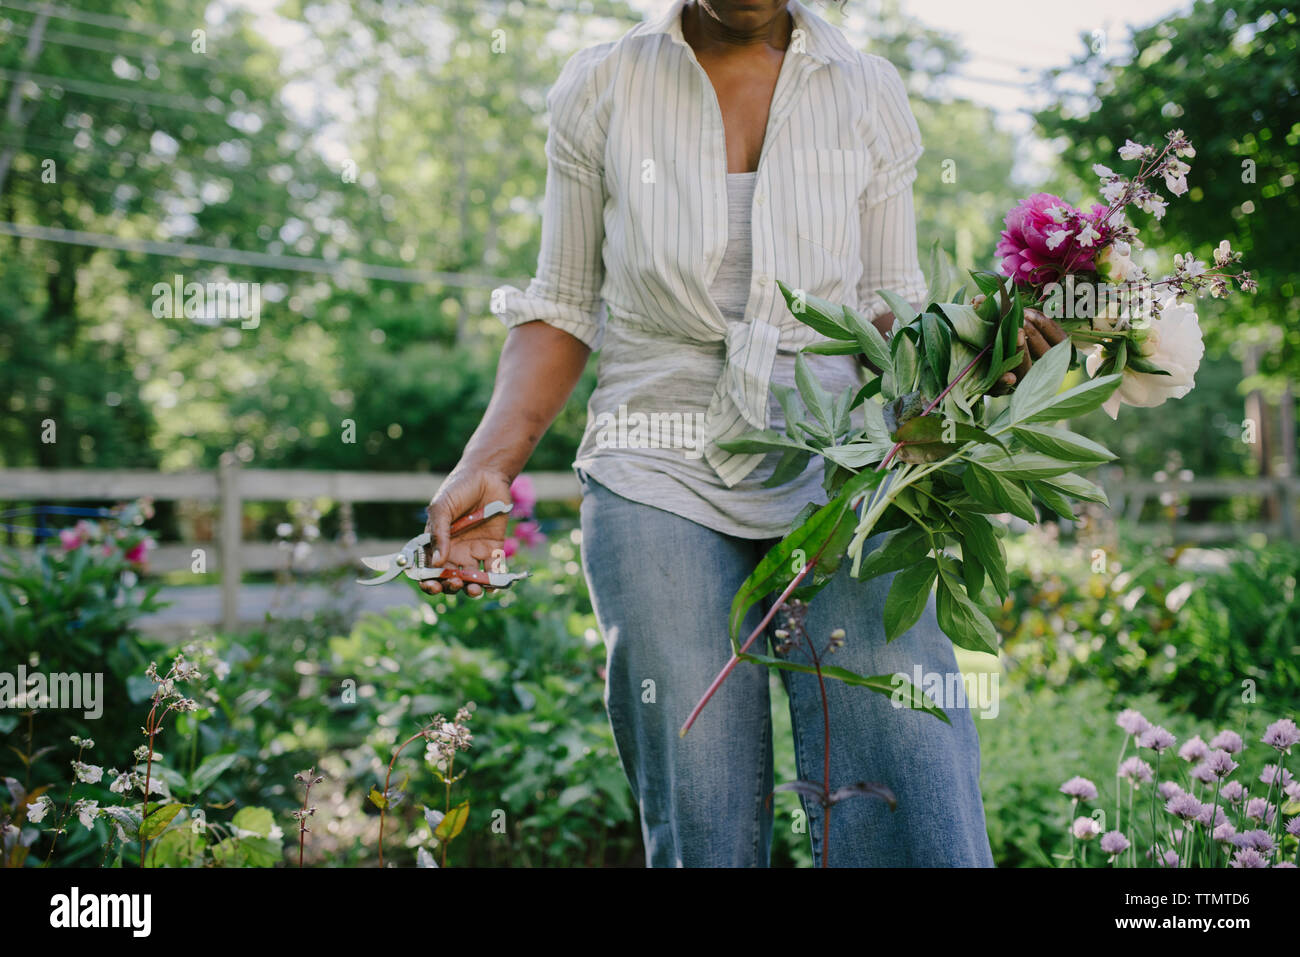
1197,638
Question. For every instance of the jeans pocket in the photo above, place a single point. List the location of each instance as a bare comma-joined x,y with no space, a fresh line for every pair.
583,480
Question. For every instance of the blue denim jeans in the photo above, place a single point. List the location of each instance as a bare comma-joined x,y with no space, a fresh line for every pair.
662,586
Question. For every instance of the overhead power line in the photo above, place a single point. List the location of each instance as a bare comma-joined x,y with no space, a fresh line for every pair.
345,268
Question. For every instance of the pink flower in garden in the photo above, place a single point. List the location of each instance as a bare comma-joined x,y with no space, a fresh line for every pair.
1248,857
1193,750
1169,789
510,545
1258,809
529,534
1220,763
1282,735
1293,827
1234,792
1183,806
1113,842
75,537
1229,741
1132,721
1156,738
1259,840
1225,832
1136,770
1046,238
139,552
523,495
1081,789
1220,818
1085,828
1202,773
1270,774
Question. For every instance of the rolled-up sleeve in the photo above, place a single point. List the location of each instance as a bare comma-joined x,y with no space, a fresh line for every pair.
565,290
889,254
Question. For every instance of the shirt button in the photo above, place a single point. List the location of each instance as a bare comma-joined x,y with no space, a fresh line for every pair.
763,281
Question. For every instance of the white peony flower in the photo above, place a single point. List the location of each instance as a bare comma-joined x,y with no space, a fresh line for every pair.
1173,342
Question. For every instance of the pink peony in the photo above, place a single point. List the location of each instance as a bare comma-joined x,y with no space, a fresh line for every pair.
510,546
71,538
1046,238
523,495
137,554
529,534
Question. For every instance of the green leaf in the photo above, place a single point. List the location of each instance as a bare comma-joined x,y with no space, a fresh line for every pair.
979,542
821,314
904,364
908,594
789,467
903,310
1021,465
856,455
1053,499
834,348
873,423
259,820
898,549
1076,486
158,820
869,339
997,493
1062,443
209,770
377,798
967,326
938,346
758,440
1042,382
905,694
814,396
1082,398
962,620
451,825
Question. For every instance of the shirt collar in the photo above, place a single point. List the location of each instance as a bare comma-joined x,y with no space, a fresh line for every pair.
823,42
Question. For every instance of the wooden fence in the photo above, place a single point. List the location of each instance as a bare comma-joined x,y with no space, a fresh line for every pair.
229,487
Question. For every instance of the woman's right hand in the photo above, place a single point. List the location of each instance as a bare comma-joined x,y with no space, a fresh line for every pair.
467,489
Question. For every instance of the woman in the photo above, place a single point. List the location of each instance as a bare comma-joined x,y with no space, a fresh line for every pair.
691,164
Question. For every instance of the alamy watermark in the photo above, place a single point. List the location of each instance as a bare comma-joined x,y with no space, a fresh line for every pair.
978,690
214,301
652,430
82,691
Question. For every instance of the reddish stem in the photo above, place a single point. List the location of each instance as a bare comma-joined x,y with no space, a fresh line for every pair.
383,809
735,658
930,408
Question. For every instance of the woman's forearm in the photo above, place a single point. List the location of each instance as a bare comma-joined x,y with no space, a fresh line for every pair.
537,372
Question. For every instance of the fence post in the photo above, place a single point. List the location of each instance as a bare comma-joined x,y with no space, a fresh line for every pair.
230,535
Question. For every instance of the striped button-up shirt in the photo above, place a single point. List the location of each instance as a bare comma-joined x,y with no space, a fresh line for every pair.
634,223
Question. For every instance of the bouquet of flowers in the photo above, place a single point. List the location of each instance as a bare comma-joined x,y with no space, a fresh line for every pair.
936,455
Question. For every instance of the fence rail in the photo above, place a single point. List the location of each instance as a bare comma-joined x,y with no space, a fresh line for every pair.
231,486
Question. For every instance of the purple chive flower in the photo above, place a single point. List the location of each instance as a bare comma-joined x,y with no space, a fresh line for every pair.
1204,817
1113,842
1234,792
1257,839
1270,772
1183,806
1283,864
1293,827
1225,832
1203,774
1194,750
1281,735
1258,809
1293,790
1132,722
1169,789
1169,859
1220,763
1156,738
1229,741
1248,857
1081,789
1085,828
1136,770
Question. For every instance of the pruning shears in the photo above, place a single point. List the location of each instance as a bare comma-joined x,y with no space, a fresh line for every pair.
410,559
